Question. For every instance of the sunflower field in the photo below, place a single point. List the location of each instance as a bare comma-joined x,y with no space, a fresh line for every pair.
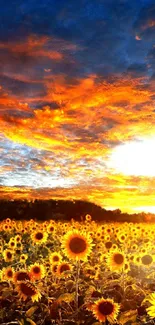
89,273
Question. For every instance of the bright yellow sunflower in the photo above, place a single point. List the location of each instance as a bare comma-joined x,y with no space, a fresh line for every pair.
7,273
116,260
39,237
23,258
26,290
105,309
55,257
37,271
12,243
50,228
8,255
6,227
18,238
76,245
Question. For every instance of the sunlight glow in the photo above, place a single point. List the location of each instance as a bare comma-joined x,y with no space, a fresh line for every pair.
146,209
134,158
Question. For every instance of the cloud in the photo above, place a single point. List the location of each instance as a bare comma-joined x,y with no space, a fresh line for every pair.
76,80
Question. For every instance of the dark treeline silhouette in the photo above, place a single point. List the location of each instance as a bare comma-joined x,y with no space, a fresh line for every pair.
65,210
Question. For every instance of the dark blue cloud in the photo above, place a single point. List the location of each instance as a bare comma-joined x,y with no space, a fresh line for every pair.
105,30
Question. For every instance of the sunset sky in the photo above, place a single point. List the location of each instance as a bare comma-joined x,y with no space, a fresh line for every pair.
77,101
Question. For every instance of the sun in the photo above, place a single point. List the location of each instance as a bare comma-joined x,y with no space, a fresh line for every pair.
135,158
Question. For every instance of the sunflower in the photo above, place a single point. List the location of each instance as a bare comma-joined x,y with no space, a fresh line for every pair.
8,255
126,267
21,275
23,258
7,273
19,246
18,238
39,237
55,258
50,228
92,294
146,260
121,237
105,309
26,290
76,245
116,260
89,272
151,310
37,271
12,244
88,217
64,269
8,220
108,244
6,227
114,247
54,269
134,247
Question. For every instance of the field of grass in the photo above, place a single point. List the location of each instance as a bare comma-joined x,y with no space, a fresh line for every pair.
76,273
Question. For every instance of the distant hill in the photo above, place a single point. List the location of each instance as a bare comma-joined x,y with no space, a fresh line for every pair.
65,210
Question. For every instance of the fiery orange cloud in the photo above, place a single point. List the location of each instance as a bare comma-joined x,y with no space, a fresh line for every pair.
80,106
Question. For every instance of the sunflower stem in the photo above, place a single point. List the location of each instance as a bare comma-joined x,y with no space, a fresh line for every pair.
77,287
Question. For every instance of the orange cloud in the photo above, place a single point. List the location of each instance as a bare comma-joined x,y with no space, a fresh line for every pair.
91,116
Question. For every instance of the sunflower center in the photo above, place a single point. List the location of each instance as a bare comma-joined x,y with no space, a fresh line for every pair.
147,259
108,244
36,269
64,268
9,255
27,290
96,294
77,245
22,276
54,268
118,258
106,308
39,235
55,258
10,273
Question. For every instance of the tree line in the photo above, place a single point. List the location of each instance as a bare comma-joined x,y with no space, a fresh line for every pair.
65,210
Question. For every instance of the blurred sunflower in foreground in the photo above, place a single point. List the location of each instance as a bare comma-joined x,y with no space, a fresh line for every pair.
105,309
77,246
151,310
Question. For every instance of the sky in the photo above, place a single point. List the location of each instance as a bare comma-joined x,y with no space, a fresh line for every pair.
77,101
